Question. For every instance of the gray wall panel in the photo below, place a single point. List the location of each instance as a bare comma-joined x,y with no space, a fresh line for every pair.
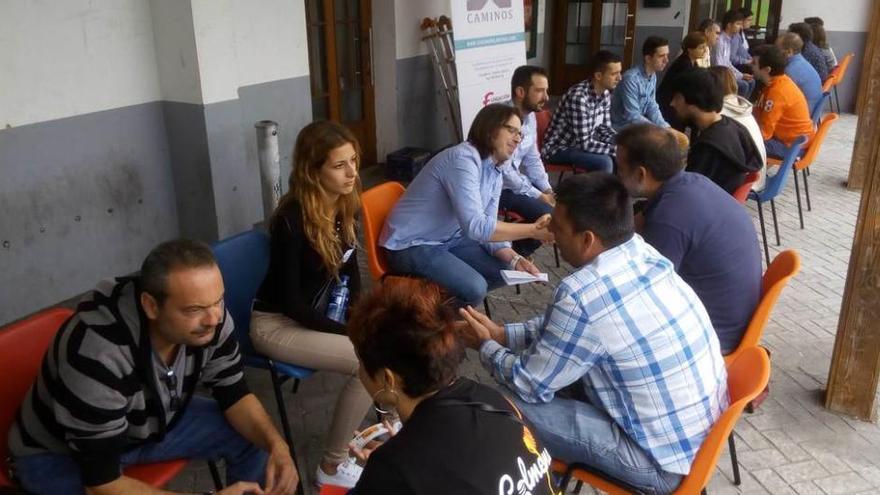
82,198
235,171
843,42
191,168
422,111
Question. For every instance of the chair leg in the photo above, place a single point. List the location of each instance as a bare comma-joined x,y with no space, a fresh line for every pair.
775,221
733,462
282,411
807,188
295,387
578,486
215,475
282,408
556,254
486,307
518,291
559,179
797,192
763,233
836,99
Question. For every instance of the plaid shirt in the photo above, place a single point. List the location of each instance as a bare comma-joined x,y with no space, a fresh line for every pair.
582,121
640,342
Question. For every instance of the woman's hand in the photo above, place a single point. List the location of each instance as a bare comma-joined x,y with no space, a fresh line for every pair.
362,454
541,230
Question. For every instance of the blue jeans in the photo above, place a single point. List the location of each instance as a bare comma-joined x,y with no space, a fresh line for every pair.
775,148
577,431
590,162
201,433
530,209
461,266
744,88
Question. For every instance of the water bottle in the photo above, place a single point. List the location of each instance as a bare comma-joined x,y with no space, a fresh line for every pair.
338,300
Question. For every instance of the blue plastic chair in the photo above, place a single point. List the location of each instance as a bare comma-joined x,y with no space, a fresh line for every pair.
773,188
816,114
244,260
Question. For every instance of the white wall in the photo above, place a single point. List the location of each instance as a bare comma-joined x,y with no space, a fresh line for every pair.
839,15
176,57
241,43
408,14
664,16
74,57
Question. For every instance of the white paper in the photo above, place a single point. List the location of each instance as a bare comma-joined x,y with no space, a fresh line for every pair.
516,277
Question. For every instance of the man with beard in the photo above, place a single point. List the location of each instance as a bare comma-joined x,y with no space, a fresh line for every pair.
117,388
723,150
580,132
526,187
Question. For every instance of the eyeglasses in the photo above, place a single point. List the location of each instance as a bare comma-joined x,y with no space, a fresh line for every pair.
170,380
513,130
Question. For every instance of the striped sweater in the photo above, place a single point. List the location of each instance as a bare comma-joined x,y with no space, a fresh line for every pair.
97,395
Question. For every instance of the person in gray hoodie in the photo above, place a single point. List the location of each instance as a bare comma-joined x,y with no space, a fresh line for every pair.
740,109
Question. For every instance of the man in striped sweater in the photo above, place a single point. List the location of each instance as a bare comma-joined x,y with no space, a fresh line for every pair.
116,388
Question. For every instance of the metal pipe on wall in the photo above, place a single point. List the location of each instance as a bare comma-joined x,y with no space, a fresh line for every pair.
270,165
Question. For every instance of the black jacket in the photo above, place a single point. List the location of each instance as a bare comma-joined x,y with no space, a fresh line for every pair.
725,153
666,90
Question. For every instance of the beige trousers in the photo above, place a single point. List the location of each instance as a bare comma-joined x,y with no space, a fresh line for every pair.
276,336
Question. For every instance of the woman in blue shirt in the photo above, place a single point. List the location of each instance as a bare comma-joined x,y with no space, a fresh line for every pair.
445,227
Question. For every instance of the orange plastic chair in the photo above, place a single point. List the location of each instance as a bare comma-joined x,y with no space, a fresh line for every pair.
333,490
840,74
22,346
542,119
746,378
376,204
785,265
742,192
802,164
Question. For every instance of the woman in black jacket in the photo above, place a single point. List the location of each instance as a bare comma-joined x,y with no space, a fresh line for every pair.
313,249
693,48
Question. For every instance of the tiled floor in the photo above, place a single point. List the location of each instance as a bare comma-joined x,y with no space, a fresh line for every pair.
791,444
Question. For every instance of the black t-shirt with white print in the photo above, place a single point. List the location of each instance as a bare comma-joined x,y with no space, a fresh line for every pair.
450,445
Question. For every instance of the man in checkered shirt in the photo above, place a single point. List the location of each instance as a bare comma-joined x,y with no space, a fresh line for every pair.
580,132
623,371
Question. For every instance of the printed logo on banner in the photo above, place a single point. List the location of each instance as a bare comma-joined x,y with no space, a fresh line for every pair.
491,97
479,4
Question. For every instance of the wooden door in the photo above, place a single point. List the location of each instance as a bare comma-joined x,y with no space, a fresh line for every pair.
340,67
581,28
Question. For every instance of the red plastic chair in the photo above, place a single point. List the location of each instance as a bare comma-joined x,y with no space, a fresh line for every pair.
542,119
333,490
22,346
742,192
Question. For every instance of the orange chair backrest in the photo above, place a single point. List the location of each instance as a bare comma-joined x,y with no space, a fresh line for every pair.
22,346
747,376
816,143
829,82
542,121
742,192
376,204
844,65
784,266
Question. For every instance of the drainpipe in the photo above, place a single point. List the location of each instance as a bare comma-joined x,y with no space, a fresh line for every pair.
270,165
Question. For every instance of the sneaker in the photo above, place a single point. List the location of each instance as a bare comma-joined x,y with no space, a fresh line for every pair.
347,475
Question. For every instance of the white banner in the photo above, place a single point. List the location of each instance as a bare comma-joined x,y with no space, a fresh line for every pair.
489,46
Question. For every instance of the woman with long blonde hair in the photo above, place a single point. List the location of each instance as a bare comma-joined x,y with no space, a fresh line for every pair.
313,249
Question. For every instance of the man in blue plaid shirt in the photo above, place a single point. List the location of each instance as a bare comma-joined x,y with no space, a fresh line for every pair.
630,336
580,132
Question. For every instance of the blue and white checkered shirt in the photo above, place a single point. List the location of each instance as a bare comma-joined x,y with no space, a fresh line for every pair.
638,339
